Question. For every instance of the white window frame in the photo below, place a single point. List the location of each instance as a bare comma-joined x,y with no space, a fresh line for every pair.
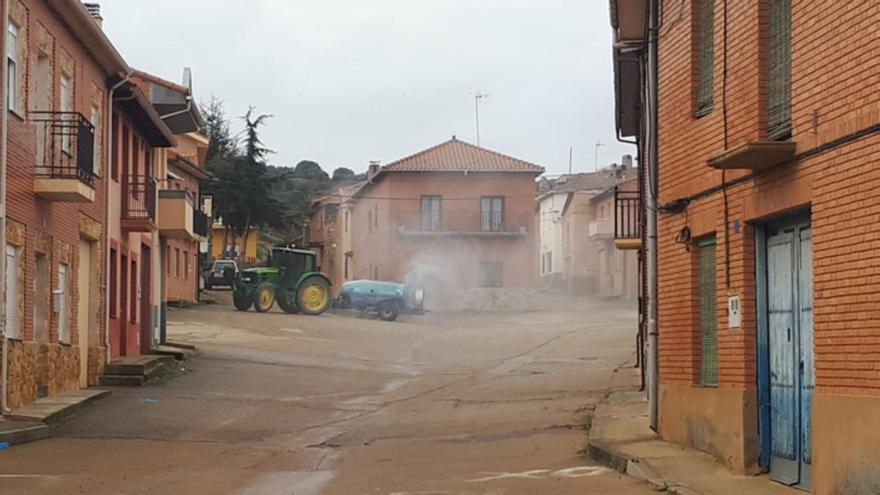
66,101
13,293
13,51
96,121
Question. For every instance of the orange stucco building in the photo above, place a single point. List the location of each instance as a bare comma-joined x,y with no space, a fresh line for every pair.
451,218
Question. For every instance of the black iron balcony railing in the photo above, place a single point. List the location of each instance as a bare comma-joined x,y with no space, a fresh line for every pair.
65,146
627,214
139,198
200,223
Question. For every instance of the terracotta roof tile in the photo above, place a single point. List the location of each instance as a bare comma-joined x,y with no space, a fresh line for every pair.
458,156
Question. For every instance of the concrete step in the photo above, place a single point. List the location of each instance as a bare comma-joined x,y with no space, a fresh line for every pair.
177,353
17,432
136,365
55,408
181,345
122,380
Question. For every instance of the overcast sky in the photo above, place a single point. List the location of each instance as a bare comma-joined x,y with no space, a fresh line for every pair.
349,81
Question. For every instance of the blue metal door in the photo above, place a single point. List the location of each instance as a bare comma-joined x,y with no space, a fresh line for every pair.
788,351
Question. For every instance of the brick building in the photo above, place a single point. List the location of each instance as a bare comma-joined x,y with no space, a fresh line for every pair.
330,236
60,68
139,139
452,218
769,129
182,224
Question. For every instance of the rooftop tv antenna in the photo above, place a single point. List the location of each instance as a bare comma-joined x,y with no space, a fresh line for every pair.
477,97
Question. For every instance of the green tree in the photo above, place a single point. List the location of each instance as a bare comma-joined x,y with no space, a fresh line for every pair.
343,174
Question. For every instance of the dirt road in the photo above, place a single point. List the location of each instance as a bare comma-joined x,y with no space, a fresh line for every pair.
473,403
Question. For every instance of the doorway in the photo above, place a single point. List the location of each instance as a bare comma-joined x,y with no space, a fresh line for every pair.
786,368
146,289
85,306
123,305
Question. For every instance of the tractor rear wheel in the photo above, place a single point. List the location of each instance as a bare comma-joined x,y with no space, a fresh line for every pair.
264,298
313,296
287,303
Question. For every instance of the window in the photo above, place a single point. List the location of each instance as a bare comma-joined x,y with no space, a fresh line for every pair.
114,165
370,221
376,216
704,55
168,259
114,289
779,70
186,264
547,262
67,106
375,273
347,218
176,262
708,313
63,303
491,274
431,206
12,76
13,313
492,214
95,119
347,266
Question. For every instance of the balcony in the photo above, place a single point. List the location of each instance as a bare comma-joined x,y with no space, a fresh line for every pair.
487,224
602,228
201,223
627,219
139,204
65,157
756,156
176,215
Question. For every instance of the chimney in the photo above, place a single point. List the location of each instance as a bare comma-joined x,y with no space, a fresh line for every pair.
372,170
95,11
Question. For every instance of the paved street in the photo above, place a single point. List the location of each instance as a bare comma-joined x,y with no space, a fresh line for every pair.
482,403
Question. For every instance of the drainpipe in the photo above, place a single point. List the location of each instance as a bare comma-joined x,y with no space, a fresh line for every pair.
4,140
108,179
651,191
189,101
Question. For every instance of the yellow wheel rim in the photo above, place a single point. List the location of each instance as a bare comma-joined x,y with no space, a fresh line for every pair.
315,297
266,297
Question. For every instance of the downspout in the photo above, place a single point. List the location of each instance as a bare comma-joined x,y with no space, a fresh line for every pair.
108,179
651,191
179,112
4,152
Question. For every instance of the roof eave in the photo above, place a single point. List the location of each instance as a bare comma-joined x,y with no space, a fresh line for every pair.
152,126
83,26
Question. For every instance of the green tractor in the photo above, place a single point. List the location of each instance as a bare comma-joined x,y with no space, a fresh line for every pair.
291,278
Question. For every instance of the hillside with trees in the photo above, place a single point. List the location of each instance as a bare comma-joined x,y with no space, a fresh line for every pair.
250,192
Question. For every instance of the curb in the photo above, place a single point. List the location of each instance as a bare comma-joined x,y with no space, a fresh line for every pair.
633,467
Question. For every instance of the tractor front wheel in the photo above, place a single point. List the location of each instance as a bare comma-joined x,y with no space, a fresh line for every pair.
242,300
313,296
264,298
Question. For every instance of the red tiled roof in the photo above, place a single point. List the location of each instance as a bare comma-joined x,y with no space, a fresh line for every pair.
458,156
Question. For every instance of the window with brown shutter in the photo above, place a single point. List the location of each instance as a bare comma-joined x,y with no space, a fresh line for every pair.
704,56
779,69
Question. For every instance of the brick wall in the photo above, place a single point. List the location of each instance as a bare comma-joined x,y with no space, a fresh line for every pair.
834,94
379,248
54,228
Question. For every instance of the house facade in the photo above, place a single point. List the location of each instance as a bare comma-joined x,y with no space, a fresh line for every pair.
575,218
139,140
59,70
768,199
329,233
452,218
